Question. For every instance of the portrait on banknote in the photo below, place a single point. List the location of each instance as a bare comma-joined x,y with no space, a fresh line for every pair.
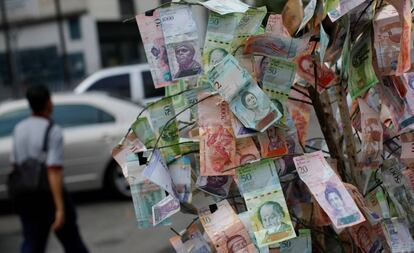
344,215
184,58
272,142
270,215
216,185
216,55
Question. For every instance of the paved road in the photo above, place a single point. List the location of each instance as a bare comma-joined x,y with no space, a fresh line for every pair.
107,226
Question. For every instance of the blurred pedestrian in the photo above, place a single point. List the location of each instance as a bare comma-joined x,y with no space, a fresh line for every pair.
52,209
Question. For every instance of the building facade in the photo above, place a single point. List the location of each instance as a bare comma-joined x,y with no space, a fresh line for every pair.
60,42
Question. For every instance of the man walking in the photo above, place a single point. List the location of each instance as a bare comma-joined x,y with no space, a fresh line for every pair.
42,211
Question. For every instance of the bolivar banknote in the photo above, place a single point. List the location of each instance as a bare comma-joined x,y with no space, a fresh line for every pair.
247,101
275,26
397,235
129,145
258,175
305,69
367,236
220,32
217,142
155,50
278,77
245,218
181,39
272,46
308,14
292,15
143,131
328,190
144,194
240,131
161,112
361,73
157,172
225,229
248,25
180,171
302,243
165,209
246,151
192,241
270,216
342,8
371,137
224,7
273,142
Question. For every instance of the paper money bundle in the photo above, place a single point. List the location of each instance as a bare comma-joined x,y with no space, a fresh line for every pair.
287,132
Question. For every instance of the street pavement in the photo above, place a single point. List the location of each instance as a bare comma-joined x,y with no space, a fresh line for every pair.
107,226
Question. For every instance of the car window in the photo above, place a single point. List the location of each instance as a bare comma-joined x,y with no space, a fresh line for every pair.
10,119
149,89
79,114
117,86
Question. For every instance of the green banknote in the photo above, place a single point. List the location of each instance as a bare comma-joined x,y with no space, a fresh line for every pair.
162,115
361,73
256,176
143,131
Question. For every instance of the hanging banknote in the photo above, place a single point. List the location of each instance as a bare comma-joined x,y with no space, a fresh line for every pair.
220,32
292,15
302,243
300,113
192,241
129,145
245,218
217,142
308,14
371,137
181,39
225,229
361,73
157,172
246,151
249,25
278,77
161,113
224,7
398,235
407,149
240,131
180,171
143,131
215,185
306,70
165,209
272,46
328,190
275,26
259,184
145,194
247,101
155,49
393,40
366,237
323,43
343,8
273,142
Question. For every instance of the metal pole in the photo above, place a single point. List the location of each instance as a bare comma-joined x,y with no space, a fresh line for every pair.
11,68
65,59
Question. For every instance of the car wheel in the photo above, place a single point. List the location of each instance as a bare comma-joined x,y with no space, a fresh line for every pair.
116,182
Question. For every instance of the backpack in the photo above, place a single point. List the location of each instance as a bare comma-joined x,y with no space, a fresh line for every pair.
30,176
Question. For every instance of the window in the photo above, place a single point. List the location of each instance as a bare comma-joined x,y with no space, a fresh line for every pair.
78,115
149,89
117,86
75,28
9,120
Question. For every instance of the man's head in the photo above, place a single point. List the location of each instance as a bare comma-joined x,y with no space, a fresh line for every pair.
334,198
39,100
184,52
236,243
270,214
249,100
216,55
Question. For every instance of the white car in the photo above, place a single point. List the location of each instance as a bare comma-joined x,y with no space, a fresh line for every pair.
92,124
132,82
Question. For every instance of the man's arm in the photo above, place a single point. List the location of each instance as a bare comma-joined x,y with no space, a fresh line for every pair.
55,176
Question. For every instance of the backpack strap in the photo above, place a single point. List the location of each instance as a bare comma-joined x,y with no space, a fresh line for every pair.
46,138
